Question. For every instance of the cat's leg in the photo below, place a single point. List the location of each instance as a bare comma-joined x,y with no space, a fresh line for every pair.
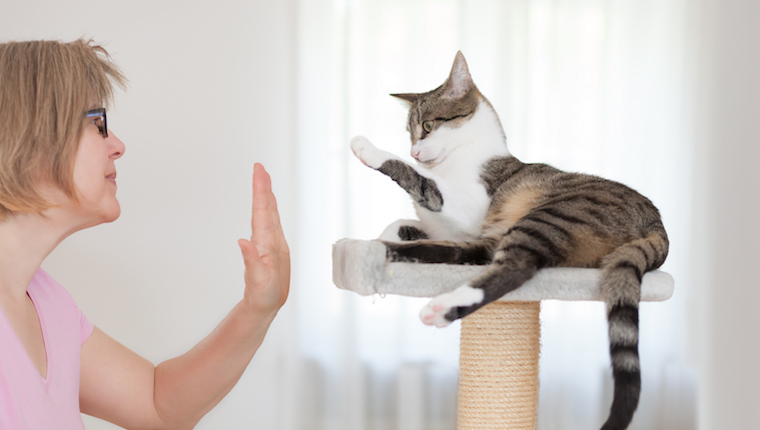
422,189
477,251
521,252
404,230
497,281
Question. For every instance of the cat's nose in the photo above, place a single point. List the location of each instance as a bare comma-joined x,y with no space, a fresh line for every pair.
416,153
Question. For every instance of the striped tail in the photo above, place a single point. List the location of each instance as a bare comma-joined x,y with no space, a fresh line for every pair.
622,272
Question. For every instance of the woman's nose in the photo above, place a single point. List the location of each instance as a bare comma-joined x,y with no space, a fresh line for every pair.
117,144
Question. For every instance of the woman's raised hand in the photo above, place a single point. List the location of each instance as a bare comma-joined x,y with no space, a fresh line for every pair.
266,254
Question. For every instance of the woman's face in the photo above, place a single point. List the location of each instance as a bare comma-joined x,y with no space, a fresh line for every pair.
95,175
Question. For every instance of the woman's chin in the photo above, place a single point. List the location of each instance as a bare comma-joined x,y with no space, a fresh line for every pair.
111,214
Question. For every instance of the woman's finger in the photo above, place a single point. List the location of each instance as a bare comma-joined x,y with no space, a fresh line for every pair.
250,256
262,218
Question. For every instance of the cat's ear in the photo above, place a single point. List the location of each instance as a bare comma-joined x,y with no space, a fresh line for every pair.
459,81
409,97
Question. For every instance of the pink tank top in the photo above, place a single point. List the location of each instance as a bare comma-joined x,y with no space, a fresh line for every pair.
27,401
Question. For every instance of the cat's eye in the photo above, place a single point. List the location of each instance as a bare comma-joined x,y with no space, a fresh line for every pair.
427,126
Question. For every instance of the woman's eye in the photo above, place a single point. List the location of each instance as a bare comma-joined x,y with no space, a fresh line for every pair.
99,124
427,126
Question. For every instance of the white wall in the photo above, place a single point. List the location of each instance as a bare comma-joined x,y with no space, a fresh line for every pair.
211,92
727,233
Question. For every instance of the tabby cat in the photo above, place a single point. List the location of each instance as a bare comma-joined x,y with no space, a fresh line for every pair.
477,204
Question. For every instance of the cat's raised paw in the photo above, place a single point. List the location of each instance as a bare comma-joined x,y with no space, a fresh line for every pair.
367,153
436,312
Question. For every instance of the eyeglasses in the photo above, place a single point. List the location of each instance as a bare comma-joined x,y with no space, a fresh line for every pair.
100,120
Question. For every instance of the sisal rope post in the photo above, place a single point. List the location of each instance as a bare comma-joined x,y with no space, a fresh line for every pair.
498,367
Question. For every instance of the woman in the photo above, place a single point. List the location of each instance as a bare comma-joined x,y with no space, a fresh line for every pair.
58,176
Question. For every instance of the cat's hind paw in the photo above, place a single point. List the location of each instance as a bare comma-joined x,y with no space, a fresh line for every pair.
438,312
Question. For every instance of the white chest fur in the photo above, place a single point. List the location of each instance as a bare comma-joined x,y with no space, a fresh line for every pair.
465,201
465,204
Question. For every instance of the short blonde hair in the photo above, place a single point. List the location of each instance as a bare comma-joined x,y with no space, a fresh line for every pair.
46,87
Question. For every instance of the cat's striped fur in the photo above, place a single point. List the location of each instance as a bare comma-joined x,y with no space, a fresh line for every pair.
533,216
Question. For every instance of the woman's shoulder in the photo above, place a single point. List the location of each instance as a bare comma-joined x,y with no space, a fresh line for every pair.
45,286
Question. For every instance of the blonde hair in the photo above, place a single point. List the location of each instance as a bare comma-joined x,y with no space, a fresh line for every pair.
46,87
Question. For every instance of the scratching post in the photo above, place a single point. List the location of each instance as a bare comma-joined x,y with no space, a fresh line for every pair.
499,343
498,367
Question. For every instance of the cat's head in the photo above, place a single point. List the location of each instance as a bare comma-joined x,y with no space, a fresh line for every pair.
451,116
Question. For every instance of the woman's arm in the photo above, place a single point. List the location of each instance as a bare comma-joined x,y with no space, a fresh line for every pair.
122,387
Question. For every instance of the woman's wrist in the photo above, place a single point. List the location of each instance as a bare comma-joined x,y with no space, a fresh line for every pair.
254,315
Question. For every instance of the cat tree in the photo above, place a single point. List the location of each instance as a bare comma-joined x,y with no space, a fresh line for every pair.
500,343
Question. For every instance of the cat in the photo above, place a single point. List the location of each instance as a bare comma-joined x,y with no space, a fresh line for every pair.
478,204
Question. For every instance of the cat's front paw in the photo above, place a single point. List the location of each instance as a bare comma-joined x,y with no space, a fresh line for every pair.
403,230
367,153
438,311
